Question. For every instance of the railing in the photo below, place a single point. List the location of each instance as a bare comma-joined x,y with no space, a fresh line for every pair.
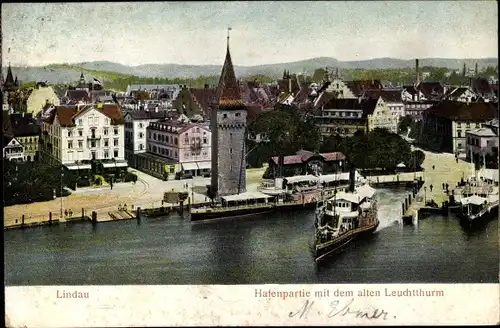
346,234
241,207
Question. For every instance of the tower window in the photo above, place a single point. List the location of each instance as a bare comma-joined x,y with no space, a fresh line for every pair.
225,115
238,114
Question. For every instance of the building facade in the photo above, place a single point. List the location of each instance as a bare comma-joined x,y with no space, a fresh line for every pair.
41,96
13,150
341,116
445,125
136,123
26,130
86,139
482,144
380,116
176,150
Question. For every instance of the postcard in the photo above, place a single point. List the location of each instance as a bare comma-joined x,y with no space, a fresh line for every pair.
250,163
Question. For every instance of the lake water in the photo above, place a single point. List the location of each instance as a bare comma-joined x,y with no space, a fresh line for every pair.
260,250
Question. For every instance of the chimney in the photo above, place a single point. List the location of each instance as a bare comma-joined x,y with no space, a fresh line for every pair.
289,84
352,177
477,71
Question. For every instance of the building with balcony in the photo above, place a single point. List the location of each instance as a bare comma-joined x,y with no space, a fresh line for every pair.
26,130
13,150
86,139
176,149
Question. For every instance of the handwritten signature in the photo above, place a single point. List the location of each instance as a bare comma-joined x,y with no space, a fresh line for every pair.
341,309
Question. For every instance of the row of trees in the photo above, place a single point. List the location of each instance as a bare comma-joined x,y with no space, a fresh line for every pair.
30,182
287,130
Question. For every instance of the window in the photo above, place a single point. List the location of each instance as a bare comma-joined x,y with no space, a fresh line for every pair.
176,141
205,140
106,121
141,135
90,120
70,144
80,133
237,115
154,136
92,144
80,143
175,154
149,135
193,154
198,129
141,146
116,131
115,153
106,153
163,138
115,142
225,115
80,122
140,126
106,142
96,120
149,147
105,131
69,133
154,149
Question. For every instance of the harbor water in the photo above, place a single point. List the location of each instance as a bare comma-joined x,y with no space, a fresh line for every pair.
262,250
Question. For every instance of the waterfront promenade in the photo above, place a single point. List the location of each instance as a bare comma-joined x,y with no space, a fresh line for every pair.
446,171
147,192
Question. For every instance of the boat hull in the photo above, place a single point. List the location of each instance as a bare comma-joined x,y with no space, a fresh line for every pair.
471,221
248,212
321,251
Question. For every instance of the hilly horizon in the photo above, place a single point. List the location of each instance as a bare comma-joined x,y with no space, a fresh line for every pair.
65,73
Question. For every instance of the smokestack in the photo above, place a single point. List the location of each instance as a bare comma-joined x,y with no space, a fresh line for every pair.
417,71
352,177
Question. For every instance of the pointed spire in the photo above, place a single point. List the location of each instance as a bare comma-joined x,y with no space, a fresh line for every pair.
16,82
9,81
228,92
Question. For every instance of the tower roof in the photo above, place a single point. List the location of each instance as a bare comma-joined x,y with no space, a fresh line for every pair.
228,91
9,80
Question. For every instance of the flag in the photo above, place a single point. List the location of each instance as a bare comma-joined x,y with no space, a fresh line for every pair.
96,81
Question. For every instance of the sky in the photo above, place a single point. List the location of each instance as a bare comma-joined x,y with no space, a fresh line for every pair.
194,33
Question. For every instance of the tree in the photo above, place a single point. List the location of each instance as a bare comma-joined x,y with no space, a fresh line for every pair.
404,124
415,160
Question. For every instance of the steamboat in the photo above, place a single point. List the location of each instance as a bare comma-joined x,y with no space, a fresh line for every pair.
282,194
349,214
479,204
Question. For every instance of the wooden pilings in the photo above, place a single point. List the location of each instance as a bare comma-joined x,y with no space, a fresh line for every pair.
138,215
94,217
50,218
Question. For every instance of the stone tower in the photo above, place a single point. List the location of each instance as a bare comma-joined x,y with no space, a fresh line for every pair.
228,126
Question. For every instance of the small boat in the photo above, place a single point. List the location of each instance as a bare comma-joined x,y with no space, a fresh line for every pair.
349,214
475,209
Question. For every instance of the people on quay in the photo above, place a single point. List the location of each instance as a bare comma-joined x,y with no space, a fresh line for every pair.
430,187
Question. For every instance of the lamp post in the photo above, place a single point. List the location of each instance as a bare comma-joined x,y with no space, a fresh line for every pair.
61,195
425,195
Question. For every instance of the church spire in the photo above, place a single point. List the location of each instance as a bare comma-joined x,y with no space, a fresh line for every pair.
228,92
9,80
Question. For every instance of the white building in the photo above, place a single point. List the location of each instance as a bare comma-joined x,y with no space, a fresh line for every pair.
381,116
13,150
462,94
482,142
136,123
392,98
79,135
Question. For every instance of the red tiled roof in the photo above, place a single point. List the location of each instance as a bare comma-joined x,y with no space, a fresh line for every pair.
67,114
460,111
228,92
303,156
431,89
205,97
336,156
387,95
358,86
77,95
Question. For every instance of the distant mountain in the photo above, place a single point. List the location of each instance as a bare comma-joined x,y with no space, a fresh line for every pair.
71,72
